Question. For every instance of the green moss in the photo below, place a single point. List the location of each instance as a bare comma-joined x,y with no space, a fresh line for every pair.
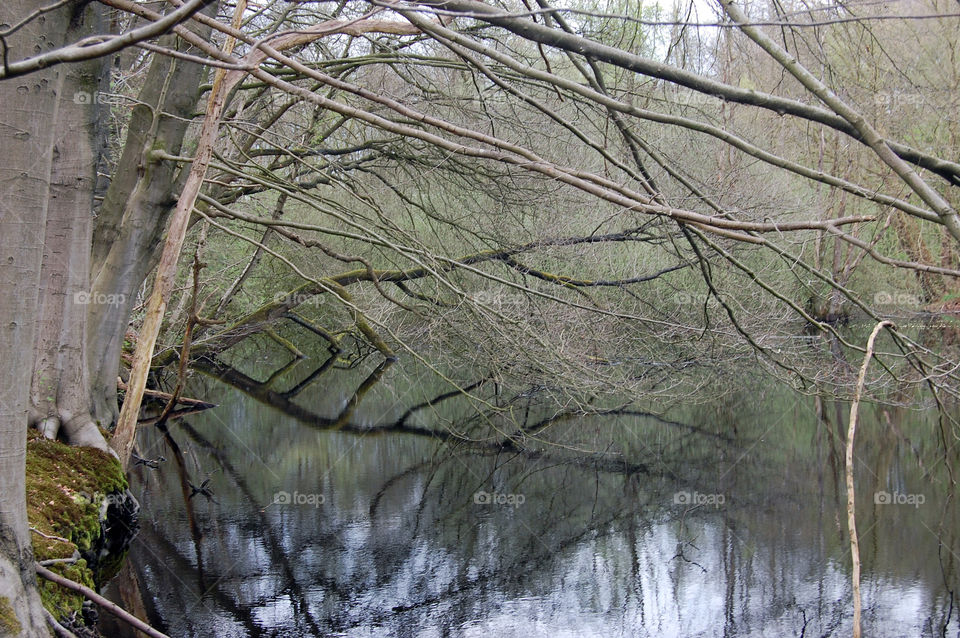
109,566
66,487
9,623
62,602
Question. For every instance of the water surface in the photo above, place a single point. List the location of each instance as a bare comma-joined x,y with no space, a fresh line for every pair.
334,513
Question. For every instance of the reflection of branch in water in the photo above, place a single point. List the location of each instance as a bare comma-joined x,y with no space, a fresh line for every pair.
279,372
569,523
280,401
186,491
159,545
507,574
440,398
372,379
375,501
310,378
274,545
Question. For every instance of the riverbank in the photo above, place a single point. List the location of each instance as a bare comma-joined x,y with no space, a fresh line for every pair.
82,519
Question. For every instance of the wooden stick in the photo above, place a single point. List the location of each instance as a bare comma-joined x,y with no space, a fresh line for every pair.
166,396
851,516
107,605
58,629
53,538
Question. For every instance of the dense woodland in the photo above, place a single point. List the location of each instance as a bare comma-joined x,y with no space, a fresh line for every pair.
589,200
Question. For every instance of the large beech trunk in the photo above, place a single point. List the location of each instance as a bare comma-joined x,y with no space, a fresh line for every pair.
28,113
68,280
60,389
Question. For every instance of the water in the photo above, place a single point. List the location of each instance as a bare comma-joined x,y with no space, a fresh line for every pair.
335,515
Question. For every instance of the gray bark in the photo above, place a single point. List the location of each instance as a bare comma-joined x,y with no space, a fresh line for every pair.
28,108
134,214
60,390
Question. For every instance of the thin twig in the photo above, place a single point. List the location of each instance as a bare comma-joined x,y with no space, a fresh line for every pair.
58,629
53,538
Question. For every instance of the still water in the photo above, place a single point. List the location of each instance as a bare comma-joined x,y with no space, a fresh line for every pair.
367,502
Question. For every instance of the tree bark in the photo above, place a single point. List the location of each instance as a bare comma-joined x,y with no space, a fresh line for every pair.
28,110
851,501
125,434
60,389
134,213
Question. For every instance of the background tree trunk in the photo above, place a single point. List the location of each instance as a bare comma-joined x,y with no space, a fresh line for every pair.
134,213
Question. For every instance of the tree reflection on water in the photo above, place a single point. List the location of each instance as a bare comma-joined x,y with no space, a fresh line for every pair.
369,501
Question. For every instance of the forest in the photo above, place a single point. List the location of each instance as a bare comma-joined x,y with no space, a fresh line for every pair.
450,317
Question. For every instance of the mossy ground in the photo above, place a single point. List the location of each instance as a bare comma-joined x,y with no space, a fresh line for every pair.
8,618
66,487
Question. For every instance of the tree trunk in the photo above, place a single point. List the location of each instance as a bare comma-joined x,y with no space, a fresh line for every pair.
134,213
28,111
124,437
60,390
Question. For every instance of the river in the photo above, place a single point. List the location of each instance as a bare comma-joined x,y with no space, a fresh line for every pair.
369,502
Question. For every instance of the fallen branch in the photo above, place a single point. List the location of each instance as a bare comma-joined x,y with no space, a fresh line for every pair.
58,629
851,517
48,536
58,561
107,605
125,433
166,396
